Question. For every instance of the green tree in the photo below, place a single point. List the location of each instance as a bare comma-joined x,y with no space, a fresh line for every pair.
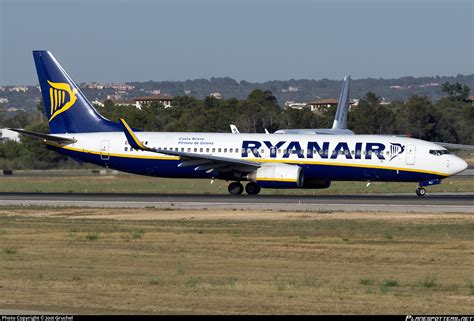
20,120
370,117
418,118
456,91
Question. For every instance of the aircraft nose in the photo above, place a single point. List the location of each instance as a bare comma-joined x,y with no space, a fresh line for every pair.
459,165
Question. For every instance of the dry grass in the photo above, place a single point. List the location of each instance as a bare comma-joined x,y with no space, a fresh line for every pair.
222,262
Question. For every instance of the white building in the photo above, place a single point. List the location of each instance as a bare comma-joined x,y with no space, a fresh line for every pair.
6,134
293,105
216,95
165,100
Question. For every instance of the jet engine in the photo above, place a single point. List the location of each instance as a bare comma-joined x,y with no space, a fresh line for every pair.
278,176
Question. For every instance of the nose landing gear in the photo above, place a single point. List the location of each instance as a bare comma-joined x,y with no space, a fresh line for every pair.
420,191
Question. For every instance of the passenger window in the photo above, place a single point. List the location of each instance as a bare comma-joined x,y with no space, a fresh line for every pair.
189,150
230,150
207,150
213,150
195,150
225,150
200,150
182,149
126,148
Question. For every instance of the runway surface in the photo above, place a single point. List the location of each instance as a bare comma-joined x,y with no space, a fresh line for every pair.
432,203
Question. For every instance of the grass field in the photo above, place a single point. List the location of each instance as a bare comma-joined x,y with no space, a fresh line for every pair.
161,261
125,183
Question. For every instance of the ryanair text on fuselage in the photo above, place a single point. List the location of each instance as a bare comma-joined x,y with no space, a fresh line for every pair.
251,148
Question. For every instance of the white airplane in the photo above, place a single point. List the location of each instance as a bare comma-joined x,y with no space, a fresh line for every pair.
262,160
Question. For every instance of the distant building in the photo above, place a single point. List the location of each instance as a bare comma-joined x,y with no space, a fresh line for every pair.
290,89
293,105
98,103
6,134
123,102
321,104
18,89
216,95
165,100
470,99
117,86
3,100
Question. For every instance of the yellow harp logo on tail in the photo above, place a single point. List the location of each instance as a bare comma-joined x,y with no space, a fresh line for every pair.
61,97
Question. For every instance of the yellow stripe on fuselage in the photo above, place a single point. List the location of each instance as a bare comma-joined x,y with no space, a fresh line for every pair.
289,180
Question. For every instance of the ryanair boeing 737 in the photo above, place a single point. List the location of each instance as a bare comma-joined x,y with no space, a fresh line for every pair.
292,160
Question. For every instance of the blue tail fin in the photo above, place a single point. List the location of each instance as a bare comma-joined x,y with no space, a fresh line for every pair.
66,107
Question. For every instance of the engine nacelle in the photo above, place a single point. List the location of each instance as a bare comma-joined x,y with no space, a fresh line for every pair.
278,176
316,184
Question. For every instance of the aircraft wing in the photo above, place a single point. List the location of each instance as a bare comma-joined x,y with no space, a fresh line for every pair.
320,131
456,146
208,163
48,137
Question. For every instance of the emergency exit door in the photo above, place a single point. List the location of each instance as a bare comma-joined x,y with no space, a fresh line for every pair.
104,150
411,149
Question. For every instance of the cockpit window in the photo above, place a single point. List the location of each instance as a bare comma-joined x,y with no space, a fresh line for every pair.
438,152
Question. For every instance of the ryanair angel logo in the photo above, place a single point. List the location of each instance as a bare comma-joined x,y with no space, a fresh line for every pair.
61,97
396,149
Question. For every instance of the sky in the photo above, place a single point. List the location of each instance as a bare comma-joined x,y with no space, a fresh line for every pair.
256,41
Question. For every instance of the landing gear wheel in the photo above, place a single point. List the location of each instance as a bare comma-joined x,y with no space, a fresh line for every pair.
420,191
252,189
235,188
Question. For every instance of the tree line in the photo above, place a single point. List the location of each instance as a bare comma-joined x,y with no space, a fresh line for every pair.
449,119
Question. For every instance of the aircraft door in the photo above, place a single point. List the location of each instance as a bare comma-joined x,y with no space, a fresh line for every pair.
411,154
104,149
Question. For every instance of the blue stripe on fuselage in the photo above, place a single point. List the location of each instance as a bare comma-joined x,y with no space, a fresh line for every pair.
169,168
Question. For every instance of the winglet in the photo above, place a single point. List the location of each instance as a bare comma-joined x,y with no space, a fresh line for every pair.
131,137
234,129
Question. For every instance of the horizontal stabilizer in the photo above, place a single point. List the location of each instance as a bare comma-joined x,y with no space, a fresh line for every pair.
48,137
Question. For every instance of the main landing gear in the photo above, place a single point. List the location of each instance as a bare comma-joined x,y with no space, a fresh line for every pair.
420,191
236,188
